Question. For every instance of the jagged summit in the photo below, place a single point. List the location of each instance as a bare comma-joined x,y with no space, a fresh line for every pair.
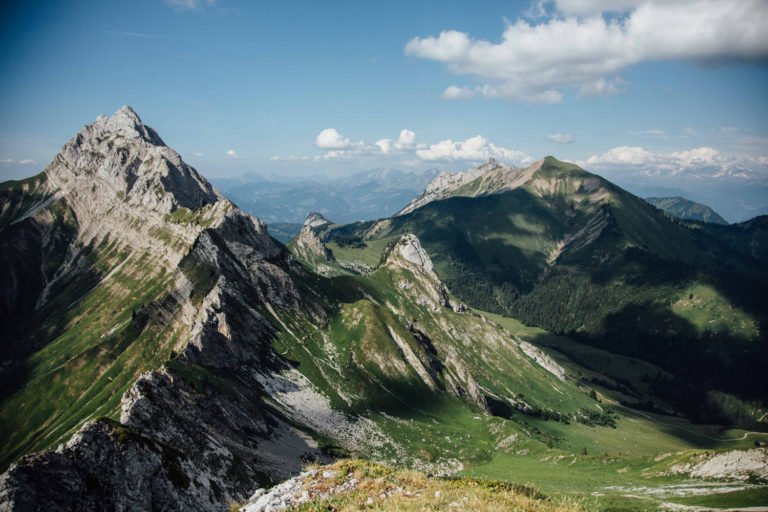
127,123
544,177
315,220
484,178
119,157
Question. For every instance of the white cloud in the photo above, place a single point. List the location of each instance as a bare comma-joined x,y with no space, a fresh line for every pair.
384,145
196,154
473,149
579,47
190,5
458,93
331,139
10,161
406,138
407,151
622,155
232,154
342,148
561,138
697,157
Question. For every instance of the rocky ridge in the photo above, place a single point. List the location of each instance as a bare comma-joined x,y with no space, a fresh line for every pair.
445,183
494,178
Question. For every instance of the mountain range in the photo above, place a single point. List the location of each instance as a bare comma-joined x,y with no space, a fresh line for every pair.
284,202
160,350
687,210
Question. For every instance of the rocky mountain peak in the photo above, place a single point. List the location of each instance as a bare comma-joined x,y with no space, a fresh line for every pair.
424,285
119,157
446,184
126,123
315,220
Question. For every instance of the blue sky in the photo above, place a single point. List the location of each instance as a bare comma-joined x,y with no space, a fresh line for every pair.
239,86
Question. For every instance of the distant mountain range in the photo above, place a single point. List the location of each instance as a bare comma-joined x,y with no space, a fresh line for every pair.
736,198
283,202
365,195
687,210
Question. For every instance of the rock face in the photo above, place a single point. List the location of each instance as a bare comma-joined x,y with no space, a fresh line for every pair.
115,181
119,168
100,466
444,184
423,285
739,465
411,250
310,247
316,220
488,178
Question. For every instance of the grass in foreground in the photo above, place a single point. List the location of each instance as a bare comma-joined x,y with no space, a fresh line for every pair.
380,488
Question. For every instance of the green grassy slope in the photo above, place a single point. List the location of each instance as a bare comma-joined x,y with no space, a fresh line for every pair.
70,358
562,458
573,253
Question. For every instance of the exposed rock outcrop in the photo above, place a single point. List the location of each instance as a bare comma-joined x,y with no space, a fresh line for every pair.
739,465
425,286
488,178
310,247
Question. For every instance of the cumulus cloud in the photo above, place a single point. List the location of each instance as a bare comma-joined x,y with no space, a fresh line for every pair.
561,138
583,46
10,161
473,149
622,155
408,151
406,138
404,141
384,145
232,154
331,139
